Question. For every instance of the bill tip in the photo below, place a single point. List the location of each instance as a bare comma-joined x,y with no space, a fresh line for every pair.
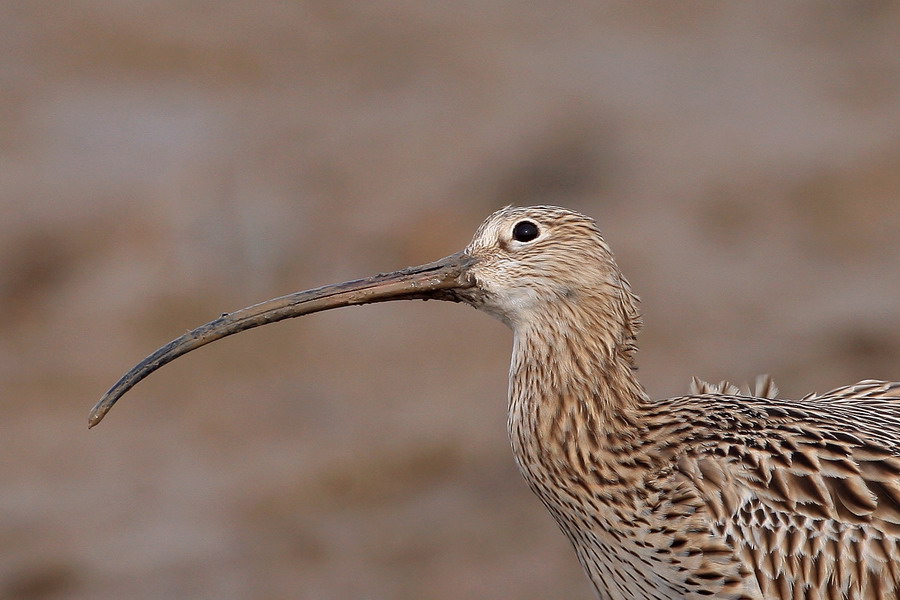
95,417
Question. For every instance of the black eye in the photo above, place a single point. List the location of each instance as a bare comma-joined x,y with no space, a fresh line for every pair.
525,231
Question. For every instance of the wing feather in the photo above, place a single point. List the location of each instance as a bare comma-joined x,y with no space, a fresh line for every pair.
813,489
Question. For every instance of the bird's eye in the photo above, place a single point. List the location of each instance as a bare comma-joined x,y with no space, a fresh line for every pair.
525,231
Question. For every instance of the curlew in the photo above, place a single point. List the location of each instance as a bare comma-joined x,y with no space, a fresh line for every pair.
721,493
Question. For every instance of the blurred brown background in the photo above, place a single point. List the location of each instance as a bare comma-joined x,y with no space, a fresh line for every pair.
162,162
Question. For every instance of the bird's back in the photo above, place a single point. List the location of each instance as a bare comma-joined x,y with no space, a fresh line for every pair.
805,493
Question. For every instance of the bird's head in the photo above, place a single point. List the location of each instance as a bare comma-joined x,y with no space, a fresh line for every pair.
524,266
534,262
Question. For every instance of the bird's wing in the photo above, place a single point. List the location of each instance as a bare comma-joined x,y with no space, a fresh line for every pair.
807,492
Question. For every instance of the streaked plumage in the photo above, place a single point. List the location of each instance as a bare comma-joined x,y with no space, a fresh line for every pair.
717,494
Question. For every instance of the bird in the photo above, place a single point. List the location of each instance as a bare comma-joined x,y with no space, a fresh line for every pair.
723,493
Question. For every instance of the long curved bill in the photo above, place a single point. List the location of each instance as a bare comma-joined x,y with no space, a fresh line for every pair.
445,279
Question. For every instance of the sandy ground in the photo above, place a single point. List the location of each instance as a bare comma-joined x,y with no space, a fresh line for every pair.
162,162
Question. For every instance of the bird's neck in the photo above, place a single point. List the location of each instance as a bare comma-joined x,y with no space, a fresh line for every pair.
573,391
